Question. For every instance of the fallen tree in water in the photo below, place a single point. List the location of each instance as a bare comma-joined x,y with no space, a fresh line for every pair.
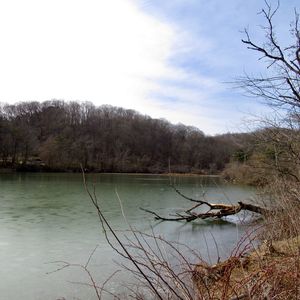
215,210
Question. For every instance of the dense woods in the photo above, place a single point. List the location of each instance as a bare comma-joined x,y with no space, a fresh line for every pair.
59,136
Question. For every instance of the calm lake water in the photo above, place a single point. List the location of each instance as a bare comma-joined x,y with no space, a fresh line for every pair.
49,217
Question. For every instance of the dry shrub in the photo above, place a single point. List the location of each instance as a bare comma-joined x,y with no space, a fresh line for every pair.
244,173
272,270
283,197
267,273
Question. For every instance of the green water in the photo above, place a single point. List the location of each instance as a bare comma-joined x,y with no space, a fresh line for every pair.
48,217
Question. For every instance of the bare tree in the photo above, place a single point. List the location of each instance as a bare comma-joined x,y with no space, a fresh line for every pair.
280,86
277,142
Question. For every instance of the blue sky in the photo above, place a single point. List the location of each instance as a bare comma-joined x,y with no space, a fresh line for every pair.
210,47
169,59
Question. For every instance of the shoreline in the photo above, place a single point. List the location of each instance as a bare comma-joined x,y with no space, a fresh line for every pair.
12,170
250,270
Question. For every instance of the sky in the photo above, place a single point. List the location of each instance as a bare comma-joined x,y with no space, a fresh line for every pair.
171,59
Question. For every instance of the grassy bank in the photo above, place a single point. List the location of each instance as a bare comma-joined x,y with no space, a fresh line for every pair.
269,271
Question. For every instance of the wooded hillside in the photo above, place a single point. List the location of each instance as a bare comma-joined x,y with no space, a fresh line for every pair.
59,136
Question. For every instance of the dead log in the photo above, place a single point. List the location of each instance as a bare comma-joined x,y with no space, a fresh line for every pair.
214,211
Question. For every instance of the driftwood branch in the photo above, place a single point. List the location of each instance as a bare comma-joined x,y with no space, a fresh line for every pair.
214,211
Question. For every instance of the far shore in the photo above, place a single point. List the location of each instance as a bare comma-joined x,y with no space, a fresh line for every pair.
13,170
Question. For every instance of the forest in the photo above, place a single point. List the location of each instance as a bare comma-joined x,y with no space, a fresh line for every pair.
60,136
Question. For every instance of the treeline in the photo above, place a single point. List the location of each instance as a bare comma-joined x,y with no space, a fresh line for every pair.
265,154
60,136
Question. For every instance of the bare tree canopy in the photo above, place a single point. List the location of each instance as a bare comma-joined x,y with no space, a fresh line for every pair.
63,135
281,85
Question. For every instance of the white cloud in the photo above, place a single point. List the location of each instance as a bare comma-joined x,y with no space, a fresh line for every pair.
101,51
107,52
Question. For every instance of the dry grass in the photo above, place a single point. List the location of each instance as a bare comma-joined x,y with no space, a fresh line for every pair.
284,222
272,271
244,173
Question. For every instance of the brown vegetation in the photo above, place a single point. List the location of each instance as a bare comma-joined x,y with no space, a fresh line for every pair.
270,271
59,136
266,154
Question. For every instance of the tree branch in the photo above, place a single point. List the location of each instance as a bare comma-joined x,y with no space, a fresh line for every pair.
215,211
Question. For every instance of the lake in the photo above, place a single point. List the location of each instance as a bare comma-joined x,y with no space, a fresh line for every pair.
48,217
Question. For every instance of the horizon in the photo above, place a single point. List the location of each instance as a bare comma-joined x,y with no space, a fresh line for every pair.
129,109
168,60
